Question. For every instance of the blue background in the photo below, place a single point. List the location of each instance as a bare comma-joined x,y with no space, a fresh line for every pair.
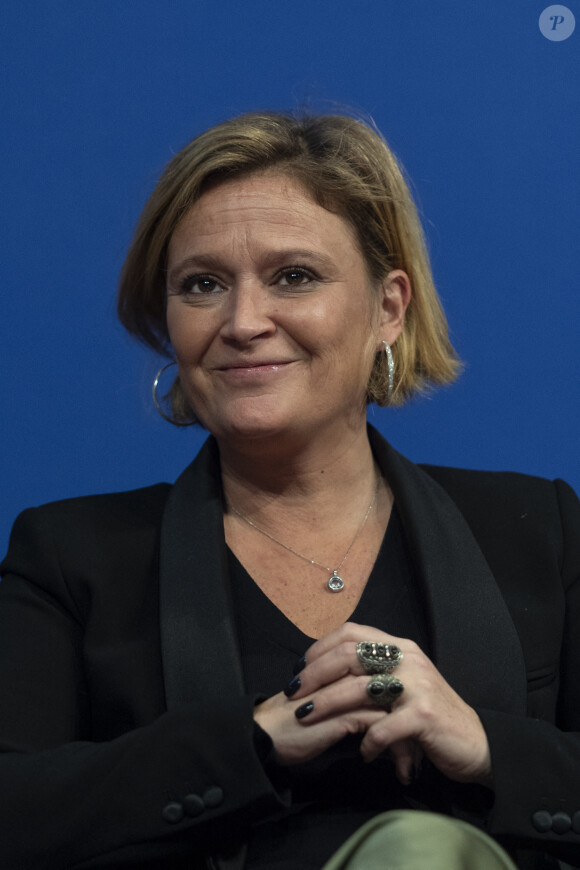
481,108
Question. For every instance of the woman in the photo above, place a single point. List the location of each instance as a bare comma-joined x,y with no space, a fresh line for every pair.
151,717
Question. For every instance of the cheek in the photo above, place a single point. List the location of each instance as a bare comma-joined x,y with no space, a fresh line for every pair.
186,332
175,322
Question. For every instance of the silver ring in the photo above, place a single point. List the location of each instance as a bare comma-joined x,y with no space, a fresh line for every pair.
383,689
378,658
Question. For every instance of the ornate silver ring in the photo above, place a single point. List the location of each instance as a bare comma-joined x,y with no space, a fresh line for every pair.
383,689
378,658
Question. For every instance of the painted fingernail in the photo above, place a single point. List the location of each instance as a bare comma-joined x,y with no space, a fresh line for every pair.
300,665
292,687
304,710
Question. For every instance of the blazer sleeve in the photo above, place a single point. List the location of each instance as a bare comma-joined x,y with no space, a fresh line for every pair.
173,788
536,762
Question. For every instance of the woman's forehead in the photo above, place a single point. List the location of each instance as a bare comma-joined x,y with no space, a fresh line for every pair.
261,207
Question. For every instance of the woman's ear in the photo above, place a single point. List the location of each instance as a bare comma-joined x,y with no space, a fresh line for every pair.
395,295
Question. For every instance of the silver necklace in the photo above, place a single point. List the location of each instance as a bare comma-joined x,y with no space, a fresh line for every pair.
335,582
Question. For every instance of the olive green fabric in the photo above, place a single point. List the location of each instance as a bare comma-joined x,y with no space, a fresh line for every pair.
415,840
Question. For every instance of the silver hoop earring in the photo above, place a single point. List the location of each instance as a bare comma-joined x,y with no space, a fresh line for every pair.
157,404
391,367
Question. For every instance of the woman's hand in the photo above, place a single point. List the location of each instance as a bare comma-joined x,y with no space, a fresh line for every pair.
427,718
295,744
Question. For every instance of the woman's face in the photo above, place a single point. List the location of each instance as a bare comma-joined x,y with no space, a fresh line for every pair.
270,311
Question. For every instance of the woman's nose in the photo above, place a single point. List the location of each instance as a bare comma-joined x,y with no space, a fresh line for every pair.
248,313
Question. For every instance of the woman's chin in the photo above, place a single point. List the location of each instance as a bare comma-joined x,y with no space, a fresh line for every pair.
248,424
252,430
245,416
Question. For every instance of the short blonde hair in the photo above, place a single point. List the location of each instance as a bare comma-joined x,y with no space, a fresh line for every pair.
349,169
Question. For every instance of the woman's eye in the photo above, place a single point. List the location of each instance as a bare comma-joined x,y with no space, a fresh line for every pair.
294,278
200,284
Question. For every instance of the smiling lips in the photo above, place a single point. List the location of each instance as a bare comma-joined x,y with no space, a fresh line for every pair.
252,364
251,368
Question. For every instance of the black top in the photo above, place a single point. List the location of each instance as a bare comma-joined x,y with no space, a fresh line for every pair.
337,792
125,685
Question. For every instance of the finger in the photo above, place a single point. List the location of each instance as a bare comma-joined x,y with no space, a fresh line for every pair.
403,755
397,728
334,708
346,694
294,745
350,632
342,696
338,661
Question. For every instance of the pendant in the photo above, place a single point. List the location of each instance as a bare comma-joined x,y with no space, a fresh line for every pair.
335,583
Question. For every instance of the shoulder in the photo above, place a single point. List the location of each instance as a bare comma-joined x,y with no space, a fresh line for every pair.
505,491
466,481
98,542
535,518
477,491
130,509
86,530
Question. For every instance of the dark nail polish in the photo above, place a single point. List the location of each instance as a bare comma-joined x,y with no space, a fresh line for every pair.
304,710
292,687
300,665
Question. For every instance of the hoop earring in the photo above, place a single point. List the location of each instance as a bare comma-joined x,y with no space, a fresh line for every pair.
157,404
391,367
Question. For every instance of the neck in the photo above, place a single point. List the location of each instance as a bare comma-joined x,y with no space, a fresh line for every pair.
336,468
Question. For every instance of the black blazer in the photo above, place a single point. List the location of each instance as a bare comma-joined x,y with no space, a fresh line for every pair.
126,736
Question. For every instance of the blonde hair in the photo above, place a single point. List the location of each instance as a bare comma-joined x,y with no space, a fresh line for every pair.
348,169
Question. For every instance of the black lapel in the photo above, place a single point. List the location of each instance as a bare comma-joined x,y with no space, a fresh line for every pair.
196,624
474,641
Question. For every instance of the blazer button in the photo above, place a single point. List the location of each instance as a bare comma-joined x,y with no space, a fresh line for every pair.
542,821
576,823
561,823
172,813
193,805
213,796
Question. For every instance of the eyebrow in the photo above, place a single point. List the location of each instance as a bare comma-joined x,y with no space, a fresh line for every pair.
291,257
